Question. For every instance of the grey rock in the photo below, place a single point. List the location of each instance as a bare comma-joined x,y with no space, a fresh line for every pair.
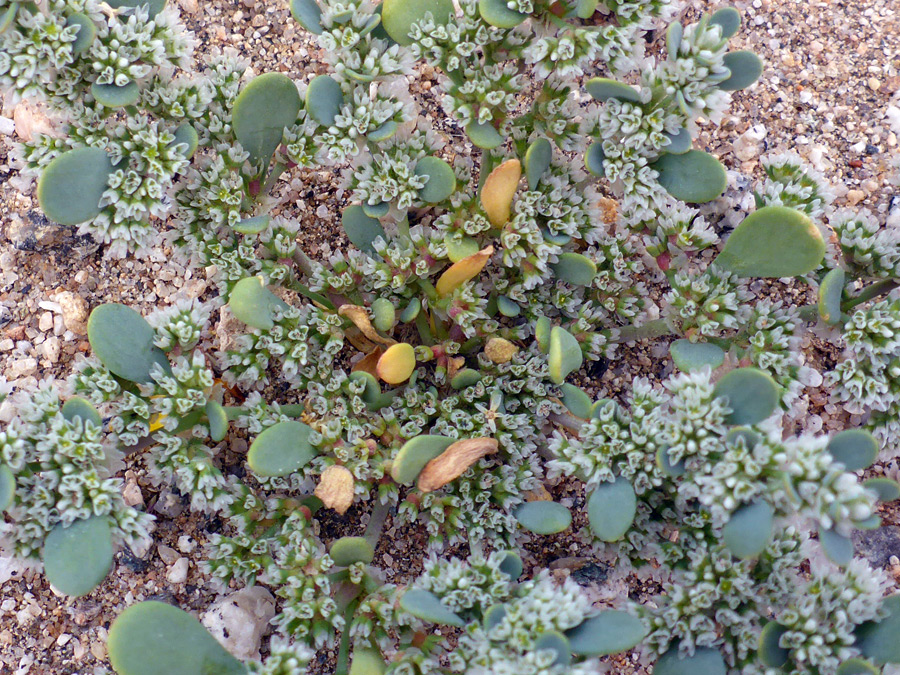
877,546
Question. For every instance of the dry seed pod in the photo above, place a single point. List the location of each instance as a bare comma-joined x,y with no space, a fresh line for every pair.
335,488
500,350
453,462
499,190
360,318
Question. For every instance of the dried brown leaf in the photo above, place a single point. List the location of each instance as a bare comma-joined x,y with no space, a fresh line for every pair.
453,462
335,488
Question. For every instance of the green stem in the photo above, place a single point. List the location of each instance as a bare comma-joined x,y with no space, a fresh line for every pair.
871,292
343,657
376,522
273,176
651,329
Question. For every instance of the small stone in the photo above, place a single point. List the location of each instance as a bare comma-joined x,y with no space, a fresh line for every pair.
74,312
63,639
46,321
878,546
874,83
854,197
189,6
167,554
131,494
168,504
747,145
178,572
51,349
7,126
98,649
186,544
21,368
6,345
238,621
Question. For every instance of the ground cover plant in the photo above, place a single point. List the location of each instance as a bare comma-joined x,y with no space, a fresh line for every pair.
426,365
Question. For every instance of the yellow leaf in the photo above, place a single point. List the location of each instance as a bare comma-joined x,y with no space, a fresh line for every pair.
499,190
459,273
397,363
500,350
360,318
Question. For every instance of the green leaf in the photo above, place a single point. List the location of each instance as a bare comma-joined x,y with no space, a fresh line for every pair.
78,557
347,551
384,314
265,106
79,407
887,490
857,667
361,229
497,13
602,89
376,210
584,9
745,67
151,638
281,449
576,401
728,19
367,662
856,449
750,529
308,14
8,17
680,142
372,395
254,304
610,632
253,225
770,652
564,356
218,420
664,462
412,311
830,291
415,454
704,662
441,179
512,565
694,176
87,31
386,131
537,161
556,642
542,330
611,509
690,356
508,307
574,268
398,16
593,159
465,378
674,35
154,7
123,341
324,99
428,607
493,616
752,395
70,189
460,247
483,135
543,517
838,548
7,487
114,96
186,135
877,640
775,241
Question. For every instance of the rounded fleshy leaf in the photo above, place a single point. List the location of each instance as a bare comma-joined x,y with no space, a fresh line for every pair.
664,462
465,378
564,355
265,106
887,490
556,642
347,551
123,341
837,547
254,304
114,96
493,616
602,88
674,35
830,291
374,399
728,19
690,356
386,131
752,395
499,190
857,667
576,401
460,247
308,14
187,136
749,530
71,186
508,307
218,420
512,565
750,438
609,632
154,7
253,225
398,16
774,241
460,272
770,652
324,99
378,210
497,13
537,161
745,67
367,662
543,517
611,509
397,363
575,269
542,330
152,637
78,557
593,159
80,407
384,314
694,176
680,142
484,135
704,662
415,454
441,179
856,449
7,487
361,229
428,607
8,16
877,640
87,31
411,311
281,449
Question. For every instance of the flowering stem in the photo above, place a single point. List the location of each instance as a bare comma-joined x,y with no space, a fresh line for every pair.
871,292
649,330
376,522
